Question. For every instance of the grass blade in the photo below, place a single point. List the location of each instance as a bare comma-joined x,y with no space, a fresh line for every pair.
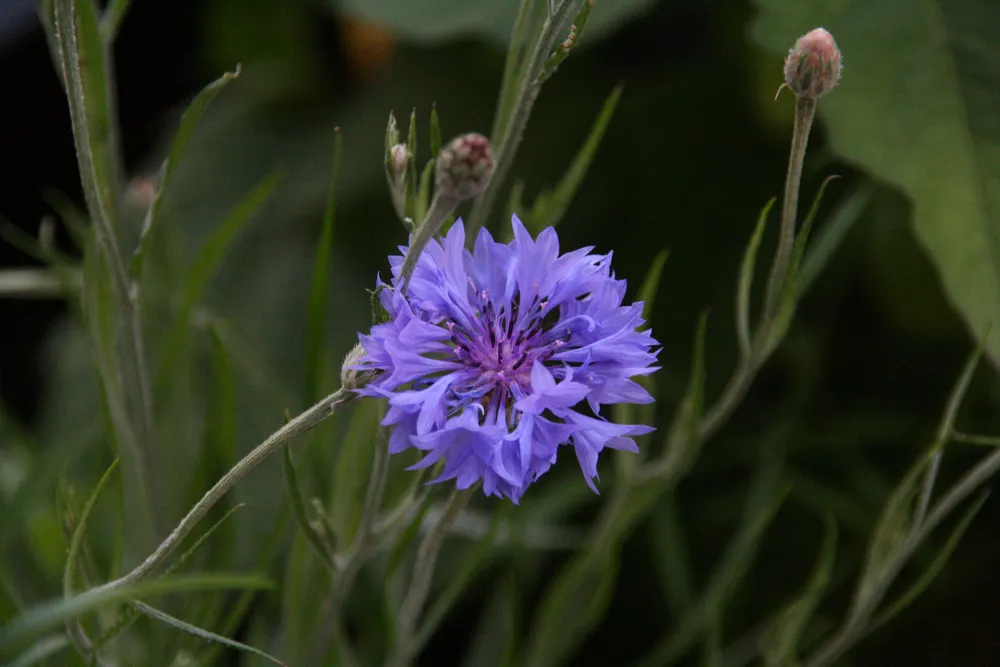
50,614
301,517
189,123
76,542
746,281
201,633
832,235
553,207
320,288
928,576
205,262
43,649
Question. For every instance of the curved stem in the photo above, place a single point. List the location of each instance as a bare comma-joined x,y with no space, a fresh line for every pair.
305,421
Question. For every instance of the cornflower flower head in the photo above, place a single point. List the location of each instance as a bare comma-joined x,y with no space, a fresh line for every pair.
494,358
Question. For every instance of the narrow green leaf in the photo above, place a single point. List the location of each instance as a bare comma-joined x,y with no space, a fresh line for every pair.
406,538
513,70
76,542
391,139
573,604
562,50
411,169
791,291
44,648
983,440
560,199
50,614
301,517
201,633
785,632
766,498
932,571
221,428
353,464
672,561
424,194
130,613
516,206
320,287
189,123
746,281
435,138
114,14
458,583
628,413
832,235
651,284
683,440
73,218
205,263
496,633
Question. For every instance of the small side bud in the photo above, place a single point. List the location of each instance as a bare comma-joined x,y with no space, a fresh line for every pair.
464,167
400,159
351,376
812,68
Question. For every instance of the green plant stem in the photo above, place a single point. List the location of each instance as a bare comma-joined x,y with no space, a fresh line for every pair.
856,626
297,426
805,112
112,19
423,573
441,207
101,203
506,148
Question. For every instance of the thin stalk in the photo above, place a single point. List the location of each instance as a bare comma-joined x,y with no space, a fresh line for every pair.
441,207
856,627
297,426
506,148
805,112
420,583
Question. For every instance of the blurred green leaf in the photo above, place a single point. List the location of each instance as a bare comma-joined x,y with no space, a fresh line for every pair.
205,263
301,516
50,614
43,649
435,133
189,123
76,542
746,281
440,20
550,207
919,111
497,628
683,439
410,207
928,575
785,632
670,554
320,287
201,633
353,465
832,235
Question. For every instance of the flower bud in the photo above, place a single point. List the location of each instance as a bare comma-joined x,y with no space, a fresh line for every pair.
812,68
353,376
400,158
464,166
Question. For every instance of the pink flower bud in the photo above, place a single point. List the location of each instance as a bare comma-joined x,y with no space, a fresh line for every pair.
464,166
812,68
400,157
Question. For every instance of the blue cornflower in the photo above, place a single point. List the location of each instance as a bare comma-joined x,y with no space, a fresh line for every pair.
494,358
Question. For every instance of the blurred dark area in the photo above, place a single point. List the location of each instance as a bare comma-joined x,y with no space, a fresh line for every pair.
695,149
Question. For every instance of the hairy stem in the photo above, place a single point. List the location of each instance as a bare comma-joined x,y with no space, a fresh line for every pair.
506,148
805,111
297,426
439,210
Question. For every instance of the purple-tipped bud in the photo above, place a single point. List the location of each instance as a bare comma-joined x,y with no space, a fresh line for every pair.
400,157
464,166
812,68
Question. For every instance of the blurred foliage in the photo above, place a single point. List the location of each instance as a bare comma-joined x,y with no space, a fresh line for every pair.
723,569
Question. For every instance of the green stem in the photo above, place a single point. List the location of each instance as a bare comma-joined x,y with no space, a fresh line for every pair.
423,573
805,112
506,148
440,208
297,426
